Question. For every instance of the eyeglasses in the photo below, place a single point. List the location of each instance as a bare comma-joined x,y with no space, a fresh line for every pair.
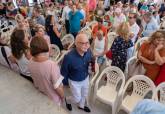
83,43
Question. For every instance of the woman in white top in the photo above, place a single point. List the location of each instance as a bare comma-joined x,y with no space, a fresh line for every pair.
6,58
20,50
100,47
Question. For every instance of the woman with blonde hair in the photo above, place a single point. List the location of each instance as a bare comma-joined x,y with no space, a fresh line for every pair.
23,24
20,21
152,54
120,45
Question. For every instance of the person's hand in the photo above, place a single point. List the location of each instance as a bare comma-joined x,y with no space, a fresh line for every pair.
152,62
160,46
131,35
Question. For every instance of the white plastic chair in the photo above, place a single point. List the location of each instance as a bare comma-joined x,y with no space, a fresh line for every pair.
60,59
141,86
139,43
55,52
159,93
91,24
68,40
162,24
87,31
93,78
109,93
126,69
3,24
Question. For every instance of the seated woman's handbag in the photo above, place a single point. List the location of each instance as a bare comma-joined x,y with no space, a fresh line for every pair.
135,67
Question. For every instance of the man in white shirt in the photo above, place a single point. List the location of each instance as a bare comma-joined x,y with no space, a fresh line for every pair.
106,4
65,15
134,28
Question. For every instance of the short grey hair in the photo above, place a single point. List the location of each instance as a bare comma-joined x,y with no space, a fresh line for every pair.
148,15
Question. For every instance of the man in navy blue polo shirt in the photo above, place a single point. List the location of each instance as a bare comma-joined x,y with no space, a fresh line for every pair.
75,69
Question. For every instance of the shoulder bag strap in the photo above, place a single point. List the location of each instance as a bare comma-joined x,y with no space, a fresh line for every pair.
4,55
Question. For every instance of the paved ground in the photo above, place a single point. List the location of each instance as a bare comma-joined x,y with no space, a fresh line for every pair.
18,96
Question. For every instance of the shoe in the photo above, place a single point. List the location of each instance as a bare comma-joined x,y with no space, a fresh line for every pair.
68,106
86,109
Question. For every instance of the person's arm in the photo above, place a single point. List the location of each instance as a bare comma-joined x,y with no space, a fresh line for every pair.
12,59
94,31
57,80
65,69
55,29
106,46
158,59
92,47
64,14
82,18
60,91
143,59
28,54
129,43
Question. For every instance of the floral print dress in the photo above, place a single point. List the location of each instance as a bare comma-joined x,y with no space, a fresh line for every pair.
119,52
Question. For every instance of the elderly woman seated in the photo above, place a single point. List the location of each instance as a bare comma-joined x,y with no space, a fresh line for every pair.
152,54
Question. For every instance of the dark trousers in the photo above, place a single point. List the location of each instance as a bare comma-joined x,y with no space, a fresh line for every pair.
67,26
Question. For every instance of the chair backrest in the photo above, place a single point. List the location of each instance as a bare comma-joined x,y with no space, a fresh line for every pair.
60,59
68,41
114,75
91,24
111,38
139,43
159,93
3,24
95,75
87,31
55,52
127,64
162,24
141,85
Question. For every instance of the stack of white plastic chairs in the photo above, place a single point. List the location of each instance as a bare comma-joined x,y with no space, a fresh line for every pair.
6,29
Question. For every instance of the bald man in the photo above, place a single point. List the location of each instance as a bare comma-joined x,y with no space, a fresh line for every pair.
75,69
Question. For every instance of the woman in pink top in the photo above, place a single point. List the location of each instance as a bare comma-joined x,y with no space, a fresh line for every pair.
45,73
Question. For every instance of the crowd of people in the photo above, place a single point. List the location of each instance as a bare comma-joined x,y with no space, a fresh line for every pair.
36,28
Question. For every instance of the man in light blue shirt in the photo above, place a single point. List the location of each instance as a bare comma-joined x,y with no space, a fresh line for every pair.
38,17
149,107
150,25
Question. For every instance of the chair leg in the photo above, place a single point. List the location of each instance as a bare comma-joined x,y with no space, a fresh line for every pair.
113,109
